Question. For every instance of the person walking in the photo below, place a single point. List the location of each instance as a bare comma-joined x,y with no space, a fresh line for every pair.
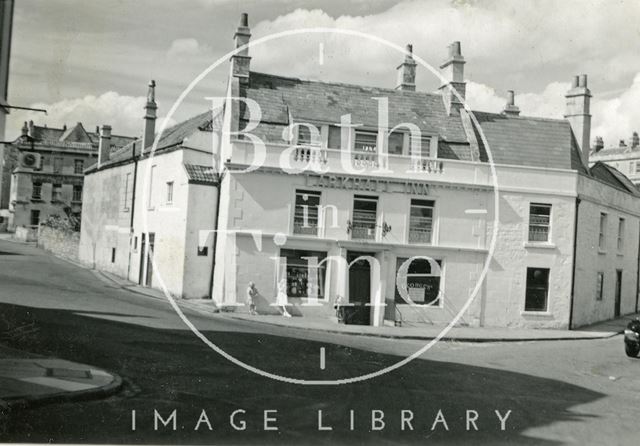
252,295
281,298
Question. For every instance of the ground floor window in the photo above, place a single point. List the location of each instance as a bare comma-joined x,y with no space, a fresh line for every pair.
299,281
537,293
35,217
422,287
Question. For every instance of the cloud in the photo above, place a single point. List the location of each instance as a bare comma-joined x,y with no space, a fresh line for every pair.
185,48
123,113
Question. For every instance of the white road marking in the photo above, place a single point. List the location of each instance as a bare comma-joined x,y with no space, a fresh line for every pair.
322,359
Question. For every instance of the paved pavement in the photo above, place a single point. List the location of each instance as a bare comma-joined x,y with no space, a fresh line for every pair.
27,379
418,332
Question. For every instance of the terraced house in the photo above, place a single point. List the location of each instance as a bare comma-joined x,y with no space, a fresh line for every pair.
440,212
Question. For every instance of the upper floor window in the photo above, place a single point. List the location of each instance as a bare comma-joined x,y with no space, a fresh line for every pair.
57,164
56,192
77,192
306,138
395,143
334,140
169,192
602,240
366,141
621,225
365,211
36,191
421,221
421,145
305,217
151,180
78,166
539,222
637,166
128,194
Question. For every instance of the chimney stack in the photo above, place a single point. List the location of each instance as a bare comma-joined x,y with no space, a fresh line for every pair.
598,144
452,71
150,116
240,62
511,108
578,114
25,130
407,72
634,141
104,145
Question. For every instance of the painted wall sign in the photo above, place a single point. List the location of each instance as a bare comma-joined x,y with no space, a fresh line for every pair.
365,184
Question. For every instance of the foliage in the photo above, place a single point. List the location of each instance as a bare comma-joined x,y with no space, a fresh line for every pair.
65,224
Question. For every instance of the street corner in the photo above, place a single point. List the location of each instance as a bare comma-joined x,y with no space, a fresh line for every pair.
33,381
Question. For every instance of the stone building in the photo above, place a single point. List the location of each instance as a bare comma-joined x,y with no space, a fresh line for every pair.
47,171
624,157
440,212
6,24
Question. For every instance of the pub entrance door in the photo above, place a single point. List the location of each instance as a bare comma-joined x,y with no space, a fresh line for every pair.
359,289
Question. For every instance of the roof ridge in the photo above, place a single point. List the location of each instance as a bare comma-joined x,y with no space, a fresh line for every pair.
344,84
536,118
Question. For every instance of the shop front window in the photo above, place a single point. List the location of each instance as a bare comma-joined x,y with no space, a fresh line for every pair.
423,285
301,279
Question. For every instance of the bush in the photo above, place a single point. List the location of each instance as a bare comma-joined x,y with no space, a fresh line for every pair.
65,224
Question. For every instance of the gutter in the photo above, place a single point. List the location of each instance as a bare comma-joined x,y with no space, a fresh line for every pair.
133,204
573,272
215,236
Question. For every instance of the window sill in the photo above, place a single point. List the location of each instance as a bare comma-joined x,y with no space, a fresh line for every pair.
620,254
34,200
545,314
541,245
602,251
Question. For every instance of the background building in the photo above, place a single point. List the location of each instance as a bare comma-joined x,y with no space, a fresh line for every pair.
625,157
47,177
566,251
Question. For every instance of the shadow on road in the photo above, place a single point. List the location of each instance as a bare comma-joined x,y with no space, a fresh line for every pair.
176,371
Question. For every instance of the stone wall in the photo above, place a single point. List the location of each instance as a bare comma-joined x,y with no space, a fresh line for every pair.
59,242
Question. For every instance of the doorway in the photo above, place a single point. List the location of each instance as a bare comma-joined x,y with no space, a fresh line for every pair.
359,288
143,245
616,310
149,276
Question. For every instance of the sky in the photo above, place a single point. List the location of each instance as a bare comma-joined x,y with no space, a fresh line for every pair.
90,62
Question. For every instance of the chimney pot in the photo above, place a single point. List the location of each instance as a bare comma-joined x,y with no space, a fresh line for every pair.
634,141
576,81
511,108
244,19
455,49
583,81
25,129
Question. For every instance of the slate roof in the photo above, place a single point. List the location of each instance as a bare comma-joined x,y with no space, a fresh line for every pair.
199,174
315,101
613,177
528,141
75,134
172,137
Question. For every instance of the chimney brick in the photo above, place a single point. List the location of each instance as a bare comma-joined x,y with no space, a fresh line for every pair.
579,115
104,145
407,72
